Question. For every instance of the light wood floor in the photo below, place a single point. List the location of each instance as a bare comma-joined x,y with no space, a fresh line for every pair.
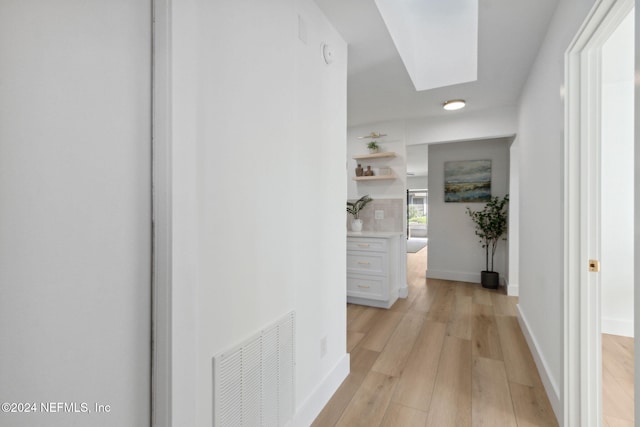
617,381
451,354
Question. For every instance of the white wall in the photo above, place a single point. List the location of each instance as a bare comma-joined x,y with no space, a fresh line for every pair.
185,121
541,146
417,182
259,147
75,220
461,126
454,251
617,181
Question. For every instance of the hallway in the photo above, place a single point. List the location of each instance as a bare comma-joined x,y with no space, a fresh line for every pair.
452,353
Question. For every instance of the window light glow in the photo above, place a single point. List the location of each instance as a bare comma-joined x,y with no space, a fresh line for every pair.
436,39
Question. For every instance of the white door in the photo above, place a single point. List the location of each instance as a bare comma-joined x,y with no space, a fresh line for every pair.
75,227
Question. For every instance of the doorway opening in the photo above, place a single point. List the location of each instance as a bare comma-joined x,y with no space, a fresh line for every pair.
599,155
417,222
616,238
417,219
417,212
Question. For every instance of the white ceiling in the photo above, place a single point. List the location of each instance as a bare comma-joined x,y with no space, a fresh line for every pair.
379,88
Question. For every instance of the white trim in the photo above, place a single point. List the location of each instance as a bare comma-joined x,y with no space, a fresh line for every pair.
459,276
386,303
513,289
582,352
550,384
161,196
636,223
462,276
316,401
403,289
403,292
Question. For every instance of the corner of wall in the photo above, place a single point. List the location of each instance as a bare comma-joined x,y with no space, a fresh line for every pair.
513,289
456,276
403,292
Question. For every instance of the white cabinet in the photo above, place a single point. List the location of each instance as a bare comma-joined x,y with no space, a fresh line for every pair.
373,268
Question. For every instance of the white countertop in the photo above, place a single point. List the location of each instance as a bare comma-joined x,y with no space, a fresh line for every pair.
379,234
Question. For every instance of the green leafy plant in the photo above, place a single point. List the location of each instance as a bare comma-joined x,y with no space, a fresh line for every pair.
354,208
491,224
373,145
418,220
413,211
416,216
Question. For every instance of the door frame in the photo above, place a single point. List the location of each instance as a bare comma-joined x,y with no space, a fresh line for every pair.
582,343
162,255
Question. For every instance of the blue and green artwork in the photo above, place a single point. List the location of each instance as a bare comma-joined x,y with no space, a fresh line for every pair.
467,181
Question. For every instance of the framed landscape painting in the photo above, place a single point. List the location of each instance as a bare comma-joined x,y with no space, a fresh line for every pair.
467,181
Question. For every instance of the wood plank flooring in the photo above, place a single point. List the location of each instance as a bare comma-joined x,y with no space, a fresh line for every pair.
617,381
451,354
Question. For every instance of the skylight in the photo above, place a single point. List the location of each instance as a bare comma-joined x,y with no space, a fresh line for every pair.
436,39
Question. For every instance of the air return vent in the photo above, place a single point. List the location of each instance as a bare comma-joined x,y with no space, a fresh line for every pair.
253,383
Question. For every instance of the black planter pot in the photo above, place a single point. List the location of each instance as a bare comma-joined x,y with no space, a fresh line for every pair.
489,279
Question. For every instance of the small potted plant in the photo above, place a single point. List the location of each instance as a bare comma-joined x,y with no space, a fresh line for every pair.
491,224
354,209
373,147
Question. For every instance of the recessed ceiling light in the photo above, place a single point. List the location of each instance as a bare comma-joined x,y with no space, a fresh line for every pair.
454,104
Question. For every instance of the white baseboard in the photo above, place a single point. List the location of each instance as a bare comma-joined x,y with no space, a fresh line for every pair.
617,327
458,276
313,405
550,384
513,290
403,292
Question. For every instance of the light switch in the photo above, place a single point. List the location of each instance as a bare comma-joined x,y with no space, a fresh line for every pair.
379,214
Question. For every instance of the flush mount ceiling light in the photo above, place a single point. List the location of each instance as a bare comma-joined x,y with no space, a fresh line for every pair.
454,104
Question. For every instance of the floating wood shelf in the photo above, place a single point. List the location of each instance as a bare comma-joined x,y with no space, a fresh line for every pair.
374,156
373,178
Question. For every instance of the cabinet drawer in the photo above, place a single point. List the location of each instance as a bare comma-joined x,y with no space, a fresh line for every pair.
366,287
368,263
366,244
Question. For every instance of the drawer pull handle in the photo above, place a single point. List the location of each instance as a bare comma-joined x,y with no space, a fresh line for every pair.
363,245
364,287
363,263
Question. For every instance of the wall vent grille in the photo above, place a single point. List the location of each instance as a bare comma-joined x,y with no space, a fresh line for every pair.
253,383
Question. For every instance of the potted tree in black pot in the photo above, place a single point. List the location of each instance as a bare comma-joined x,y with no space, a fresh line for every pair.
491,224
